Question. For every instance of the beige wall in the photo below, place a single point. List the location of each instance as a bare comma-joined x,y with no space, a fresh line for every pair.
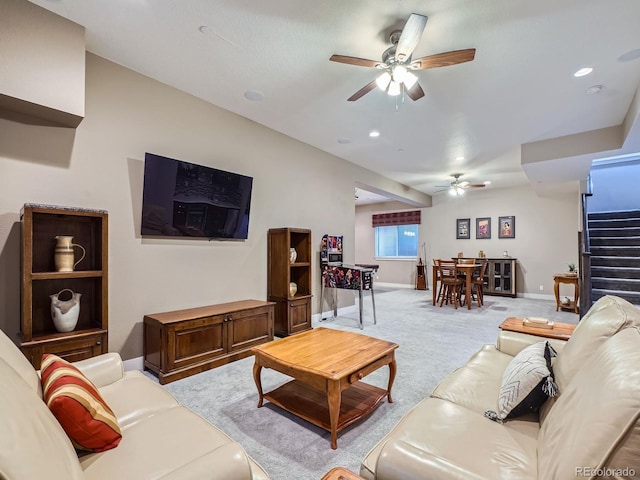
100,165
546,234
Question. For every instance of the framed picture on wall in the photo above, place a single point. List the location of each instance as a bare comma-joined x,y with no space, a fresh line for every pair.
483,227
463,228
507,227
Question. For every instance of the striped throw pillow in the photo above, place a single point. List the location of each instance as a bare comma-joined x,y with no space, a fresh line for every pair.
75,402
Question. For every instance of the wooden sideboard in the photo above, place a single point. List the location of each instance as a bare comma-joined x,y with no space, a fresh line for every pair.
185,342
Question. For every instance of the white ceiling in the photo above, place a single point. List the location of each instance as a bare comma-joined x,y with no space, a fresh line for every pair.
518,90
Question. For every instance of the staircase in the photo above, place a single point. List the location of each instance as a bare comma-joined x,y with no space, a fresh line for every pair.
614,241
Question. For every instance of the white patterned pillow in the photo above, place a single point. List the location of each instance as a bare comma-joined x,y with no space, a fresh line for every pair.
526,383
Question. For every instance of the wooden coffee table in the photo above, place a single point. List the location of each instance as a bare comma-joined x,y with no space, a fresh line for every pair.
327,366
560,331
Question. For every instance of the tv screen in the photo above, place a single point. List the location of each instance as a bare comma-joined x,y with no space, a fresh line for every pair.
185,199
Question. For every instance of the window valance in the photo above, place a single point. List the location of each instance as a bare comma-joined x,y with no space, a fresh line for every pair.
396,218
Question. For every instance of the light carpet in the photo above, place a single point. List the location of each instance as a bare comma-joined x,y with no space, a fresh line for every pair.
432,341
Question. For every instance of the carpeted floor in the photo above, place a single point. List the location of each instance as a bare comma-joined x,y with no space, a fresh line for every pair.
432,341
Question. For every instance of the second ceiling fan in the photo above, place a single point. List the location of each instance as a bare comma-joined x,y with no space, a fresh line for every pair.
397,62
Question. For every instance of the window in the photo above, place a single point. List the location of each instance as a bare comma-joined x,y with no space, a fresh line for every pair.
397,241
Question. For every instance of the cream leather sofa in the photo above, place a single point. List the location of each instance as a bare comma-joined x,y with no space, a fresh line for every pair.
590,430
160,438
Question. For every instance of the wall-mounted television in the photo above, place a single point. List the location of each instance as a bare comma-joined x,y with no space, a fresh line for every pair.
184,199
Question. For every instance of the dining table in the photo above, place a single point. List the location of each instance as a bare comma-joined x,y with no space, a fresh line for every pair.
467,269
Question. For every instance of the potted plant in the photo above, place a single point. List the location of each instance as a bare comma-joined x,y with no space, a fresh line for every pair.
572,269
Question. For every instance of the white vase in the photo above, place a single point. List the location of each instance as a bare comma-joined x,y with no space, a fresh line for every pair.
64,313
293,289
293,255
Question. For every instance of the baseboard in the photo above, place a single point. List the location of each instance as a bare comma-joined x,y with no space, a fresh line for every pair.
537,296
391,285
133,364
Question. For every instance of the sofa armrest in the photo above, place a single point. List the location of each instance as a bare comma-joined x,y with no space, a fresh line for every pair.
103,369
228,462
399,459
512,342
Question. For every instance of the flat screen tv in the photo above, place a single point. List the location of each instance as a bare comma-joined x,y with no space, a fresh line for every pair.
184,199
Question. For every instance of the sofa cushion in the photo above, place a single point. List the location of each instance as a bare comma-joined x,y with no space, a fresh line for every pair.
74,400
169,444
476,385
439,439
135,397
32,443
594,421
526,383
606,317
10,353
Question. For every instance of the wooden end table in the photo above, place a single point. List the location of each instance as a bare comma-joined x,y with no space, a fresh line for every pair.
560,331
340,473
559,278
327,366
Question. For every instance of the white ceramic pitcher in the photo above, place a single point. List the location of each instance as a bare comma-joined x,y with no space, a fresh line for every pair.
64,257
64,313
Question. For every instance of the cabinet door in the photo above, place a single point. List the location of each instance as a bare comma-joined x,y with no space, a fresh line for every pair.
73,350
196,341
249,328
300,315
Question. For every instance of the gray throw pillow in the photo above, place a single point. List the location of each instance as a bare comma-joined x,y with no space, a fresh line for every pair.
526,383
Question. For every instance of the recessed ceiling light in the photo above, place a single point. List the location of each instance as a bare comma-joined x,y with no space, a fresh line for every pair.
374,133
459,158
487,182
594,90
630,55
583,71
344,140
254,95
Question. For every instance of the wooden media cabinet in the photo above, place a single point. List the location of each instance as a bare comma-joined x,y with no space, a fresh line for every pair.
185,342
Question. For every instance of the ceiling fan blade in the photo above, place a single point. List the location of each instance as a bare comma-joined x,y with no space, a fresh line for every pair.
443,59
410,36
363,91
473,185
415,92
361,62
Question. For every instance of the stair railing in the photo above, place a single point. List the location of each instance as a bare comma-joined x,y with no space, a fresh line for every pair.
584,260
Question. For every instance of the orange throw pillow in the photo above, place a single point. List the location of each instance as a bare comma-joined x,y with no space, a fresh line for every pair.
75,402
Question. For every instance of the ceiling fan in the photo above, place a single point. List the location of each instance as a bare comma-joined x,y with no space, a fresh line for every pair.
457,188
397,62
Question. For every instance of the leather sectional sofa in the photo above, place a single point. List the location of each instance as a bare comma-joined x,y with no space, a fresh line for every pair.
160,438
591,429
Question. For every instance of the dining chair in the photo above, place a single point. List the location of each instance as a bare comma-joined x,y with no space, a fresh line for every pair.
450,284
477,282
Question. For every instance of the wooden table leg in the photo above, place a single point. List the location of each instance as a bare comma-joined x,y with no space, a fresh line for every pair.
434,276
556,290
257,369
468,290
334,398
576,296
392,376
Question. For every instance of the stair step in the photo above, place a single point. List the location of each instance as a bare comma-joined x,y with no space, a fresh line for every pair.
608,261
614,232
615,241
616,251
633,297
614,223
621,284
617,214
615,272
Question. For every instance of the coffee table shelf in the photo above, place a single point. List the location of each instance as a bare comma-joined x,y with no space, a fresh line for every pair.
358,401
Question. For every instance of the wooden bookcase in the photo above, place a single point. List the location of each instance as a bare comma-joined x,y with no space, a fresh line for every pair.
293,313
89,228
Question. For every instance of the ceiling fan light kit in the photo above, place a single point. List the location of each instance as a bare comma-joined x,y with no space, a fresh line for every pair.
397,61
